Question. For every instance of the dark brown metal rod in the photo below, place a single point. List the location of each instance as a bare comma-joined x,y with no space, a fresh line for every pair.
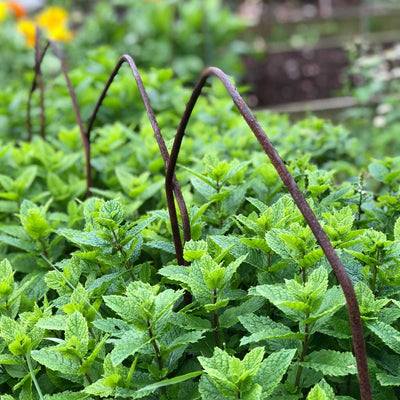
156,129
85,141
309,216
37,79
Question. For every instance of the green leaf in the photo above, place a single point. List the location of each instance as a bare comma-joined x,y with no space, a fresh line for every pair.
194,250
330,362
230,316
161,245
55,322
388,335
396,229
77,329
9,329
388,380
51,358
111,214
378,171
33,220
123,306
83,238
130,343
68,395
272,370
317,393
88,362
183,340
99,388
170,381
209,391
189,321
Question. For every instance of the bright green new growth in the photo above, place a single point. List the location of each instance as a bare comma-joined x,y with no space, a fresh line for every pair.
92,302
251,378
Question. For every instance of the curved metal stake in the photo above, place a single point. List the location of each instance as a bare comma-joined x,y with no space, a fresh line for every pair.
309,216
157,133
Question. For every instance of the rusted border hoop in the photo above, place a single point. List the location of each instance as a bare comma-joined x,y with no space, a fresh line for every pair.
309,216
85,135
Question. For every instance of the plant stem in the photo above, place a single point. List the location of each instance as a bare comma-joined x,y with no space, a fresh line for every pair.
32,372
158,353
303,354
44,247
375,272
215,324
122,251
117,243
8,308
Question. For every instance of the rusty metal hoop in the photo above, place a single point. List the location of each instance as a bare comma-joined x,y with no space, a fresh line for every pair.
298,197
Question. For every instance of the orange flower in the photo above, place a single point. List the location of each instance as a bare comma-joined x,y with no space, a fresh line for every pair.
27,27
17,9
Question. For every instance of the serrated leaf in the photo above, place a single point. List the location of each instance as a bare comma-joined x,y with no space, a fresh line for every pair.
161,245
317,393
388,335
272,370
330,362
98,388
113,326
55,322
269,334
170,381
230,316
182,340
52,359
77,328
123,306
88,362
130,343
188,321
68,395
113,211
388,380
209,391
83,238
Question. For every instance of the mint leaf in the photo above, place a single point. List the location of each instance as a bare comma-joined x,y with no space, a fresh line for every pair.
330,362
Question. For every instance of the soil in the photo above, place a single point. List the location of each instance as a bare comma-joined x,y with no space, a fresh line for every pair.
292,76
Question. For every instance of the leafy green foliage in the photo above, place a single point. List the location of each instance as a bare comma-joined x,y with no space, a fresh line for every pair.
92,301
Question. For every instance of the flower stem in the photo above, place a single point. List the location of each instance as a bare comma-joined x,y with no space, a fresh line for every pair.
32,372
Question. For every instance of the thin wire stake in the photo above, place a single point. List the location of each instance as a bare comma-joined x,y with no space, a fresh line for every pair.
157,133
85,140
309,216
37,80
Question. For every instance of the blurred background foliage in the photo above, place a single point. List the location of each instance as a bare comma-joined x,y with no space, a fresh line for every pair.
186,36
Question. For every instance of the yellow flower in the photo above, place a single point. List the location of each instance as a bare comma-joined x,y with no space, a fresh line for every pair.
54,21
27,27
52,17
60,33
3,11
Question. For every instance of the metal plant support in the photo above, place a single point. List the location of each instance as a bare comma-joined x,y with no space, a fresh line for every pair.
309,216
173,190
